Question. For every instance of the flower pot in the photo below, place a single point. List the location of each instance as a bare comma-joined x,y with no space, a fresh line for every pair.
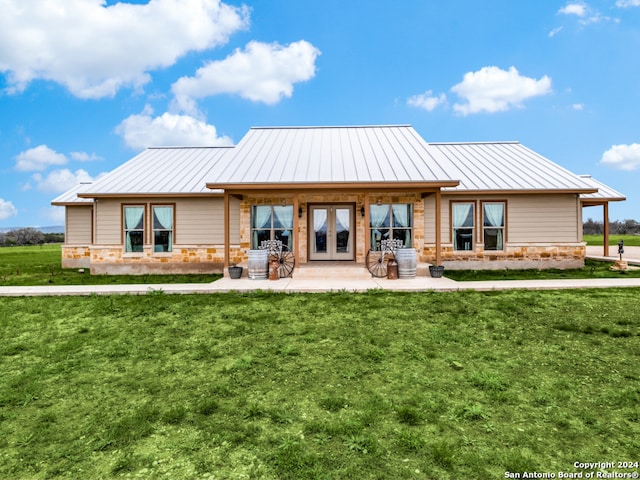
436,270
235,272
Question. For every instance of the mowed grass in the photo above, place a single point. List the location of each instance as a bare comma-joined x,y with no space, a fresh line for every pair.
318,386
629,240
41,265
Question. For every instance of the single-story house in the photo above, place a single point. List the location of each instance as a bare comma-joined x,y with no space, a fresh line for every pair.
330,193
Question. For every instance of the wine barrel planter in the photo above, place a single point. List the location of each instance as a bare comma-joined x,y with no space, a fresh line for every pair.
258,264
407,262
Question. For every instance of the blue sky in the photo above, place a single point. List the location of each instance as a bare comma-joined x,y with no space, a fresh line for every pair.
87,84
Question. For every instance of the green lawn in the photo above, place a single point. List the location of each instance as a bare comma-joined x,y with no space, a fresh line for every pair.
331,386
629,240
41,265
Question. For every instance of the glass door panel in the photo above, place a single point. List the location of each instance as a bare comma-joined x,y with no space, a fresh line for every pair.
319,218
343,230
331,232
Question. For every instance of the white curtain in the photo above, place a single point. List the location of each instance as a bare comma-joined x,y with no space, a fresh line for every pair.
164,218
319,220
461,212
378,215
494,217
284,219
342,220
132,220
261,220
401,219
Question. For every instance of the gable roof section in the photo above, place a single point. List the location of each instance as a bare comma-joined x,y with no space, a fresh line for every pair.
488,167
162,171
330,157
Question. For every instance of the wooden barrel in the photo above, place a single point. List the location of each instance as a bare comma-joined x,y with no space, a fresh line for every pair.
407,263
258,264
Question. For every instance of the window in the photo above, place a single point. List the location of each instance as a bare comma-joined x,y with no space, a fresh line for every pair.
133,228
493,225
463,215
162,228
390,221
272,222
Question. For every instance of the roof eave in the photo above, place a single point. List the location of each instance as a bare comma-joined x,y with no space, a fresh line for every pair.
530,191
336,185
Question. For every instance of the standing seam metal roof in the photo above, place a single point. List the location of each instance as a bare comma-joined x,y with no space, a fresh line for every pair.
350,154
163,171
290,155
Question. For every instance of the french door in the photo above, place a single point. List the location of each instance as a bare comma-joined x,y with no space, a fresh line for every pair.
331,232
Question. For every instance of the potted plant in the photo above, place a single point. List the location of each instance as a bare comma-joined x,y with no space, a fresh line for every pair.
436,270
235,271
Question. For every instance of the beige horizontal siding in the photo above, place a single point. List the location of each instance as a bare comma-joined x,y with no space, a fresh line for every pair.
108,214
199,221
78,225
548,218
530,218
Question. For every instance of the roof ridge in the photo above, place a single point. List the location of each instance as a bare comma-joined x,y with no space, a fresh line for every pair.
302,127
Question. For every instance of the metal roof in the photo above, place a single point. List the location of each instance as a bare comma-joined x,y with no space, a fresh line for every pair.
604,193
308,156
505,166
70,197
162,171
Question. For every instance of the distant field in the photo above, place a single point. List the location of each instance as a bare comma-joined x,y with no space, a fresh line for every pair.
596,240
41,265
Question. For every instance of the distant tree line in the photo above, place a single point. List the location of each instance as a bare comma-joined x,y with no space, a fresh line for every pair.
29,236
626,227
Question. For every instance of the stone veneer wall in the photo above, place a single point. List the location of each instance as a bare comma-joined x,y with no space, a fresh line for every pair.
513,257
76,256
306,199
182,260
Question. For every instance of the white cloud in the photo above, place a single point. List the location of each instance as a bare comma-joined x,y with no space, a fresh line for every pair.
554,32
261,72
142,131
578,9
578,106
628,3
39,158
622,157
492,89
586,14
94,50
59,181
427,101
85,157
7,209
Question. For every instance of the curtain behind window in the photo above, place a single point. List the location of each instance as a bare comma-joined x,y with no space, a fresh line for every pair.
163,220
133,217
379,219
494,217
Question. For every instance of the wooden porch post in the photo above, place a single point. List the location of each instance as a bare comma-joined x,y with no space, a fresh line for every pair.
296,229
367,222
605,227
226,229
438,229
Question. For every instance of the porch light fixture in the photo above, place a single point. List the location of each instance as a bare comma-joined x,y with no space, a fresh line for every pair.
362,211
299,212
379,202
